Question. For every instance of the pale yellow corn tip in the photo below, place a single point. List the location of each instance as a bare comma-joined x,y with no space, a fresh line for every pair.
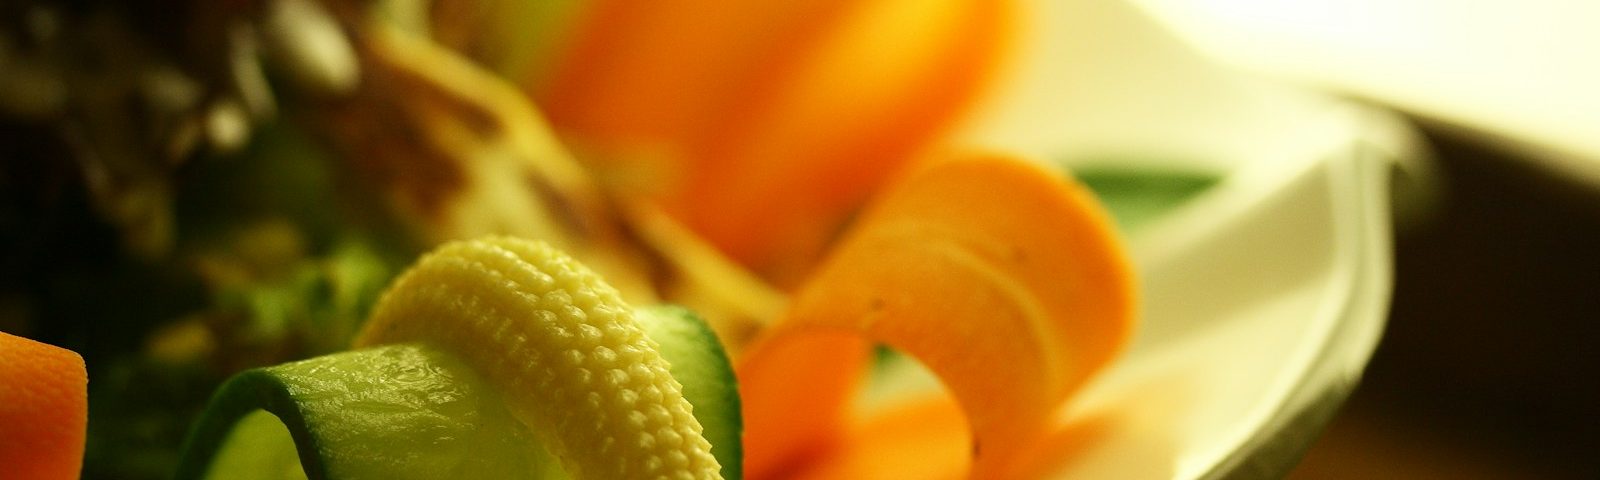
562,347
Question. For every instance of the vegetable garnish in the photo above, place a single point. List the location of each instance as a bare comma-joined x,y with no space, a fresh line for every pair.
707,143
563,347
43,410
700,363
489,331
709,155
762,126
393,412
1002,278
923,439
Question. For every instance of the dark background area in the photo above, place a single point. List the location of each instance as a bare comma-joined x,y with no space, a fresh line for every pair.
1488,366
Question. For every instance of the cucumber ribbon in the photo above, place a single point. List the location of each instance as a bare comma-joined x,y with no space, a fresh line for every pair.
413,411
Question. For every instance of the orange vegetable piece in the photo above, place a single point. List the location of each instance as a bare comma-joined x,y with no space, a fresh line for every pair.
763,125
43,410
924,440
1004,279
795,389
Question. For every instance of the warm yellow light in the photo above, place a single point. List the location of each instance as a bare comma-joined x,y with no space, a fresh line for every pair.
1525,70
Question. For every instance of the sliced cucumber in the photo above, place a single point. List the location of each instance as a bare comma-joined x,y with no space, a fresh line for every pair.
411,411
699,362
393,412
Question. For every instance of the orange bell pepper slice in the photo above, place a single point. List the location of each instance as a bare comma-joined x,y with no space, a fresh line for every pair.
44,410
763,125
1005,280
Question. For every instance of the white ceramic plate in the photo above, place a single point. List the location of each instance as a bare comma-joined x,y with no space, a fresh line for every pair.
1264,296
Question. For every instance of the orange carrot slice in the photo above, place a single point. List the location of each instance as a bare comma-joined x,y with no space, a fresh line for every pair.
768,123
43,409
926,439
650,73
1003,279
794,389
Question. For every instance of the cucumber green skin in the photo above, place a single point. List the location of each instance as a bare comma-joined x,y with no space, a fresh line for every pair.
393,412
409,411
244,393
699,362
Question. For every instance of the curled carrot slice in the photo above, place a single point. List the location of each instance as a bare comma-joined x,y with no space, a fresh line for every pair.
43,410
1003,279
922,439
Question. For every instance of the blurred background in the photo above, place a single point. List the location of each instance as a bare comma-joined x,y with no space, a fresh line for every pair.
1487,368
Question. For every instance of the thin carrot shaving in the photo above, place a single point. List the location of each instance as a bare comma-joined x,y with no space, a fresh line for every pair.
1003,279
